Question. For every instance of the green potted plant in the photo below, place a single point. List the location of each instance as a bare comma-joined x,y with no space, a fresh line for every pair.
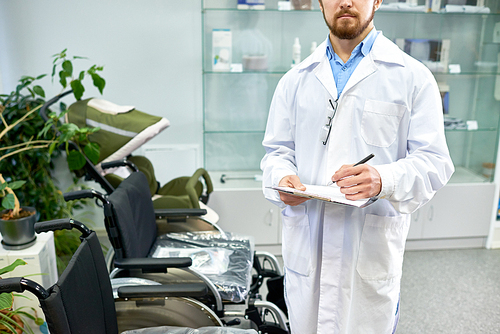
24,140
16,222
14,320
68,131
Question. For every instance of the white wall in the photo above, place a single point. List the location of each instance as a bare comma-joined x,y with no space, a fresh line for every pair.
151,52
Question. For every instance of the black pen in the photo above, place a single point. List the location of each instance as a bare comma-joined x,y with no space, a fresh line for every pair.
360,162
364,160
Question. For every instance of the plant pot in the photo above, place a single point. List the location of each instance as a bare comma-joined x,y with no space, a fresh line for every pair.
19,233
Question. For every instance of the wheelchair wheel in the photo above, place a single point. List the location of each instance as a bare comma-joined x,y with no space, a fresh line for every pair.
182,312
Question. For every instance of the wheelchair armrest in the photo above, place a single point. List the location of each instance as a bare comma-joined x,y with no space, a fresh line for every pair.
168,290
150,264
166,213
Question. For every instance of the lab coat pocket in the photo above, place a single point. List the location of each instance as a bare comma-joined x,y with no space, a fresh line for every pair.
380,122
296,240
382,247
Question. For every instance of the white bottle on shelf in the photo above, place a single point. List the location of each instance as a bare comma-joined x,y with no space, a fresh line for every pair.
314,45
296,52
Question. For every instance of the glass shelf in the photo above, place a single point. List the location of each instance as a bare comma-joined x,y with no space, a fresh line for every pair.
273,8
436,74
465,175
236,104
281,72
471,131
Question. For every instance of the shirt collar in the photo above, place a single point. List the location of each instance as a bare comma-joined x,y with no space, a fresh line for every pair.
365,45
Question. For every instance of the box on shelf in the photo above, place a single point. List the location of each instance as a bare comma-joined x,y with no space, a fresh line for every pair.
221,49
433,53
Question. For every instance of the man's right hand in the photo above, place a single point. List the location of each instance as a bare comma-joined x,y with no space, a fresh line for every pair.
292,181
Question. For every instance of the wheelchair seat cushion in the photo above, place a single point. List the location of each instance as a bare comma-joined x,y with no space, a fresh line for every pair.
226,259
185,330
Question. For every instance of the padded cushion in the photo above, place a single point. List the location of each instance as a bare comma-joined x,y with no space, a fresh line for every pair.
122,132
172,202
135,216
177,187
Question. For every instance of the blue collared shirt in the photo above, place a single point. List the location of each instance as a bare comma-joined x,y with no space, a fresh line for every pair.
342,72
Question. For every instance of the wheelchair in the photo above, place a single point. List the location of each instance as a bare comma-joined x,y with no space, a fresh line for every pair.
130,221
123,130
81,301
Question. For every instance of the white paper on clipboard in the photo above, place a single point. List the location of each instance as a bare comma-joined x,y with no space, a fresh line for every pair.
330,194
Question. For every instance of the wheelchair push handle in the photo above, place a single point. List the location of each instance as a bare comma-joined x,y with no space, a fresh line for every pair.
86,193
79,194
56,224
21,284
62,224
11,285
119,163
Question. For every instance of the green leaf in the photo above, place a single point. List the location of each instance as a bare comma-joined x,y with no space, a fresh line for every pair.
63,53
92,151
82,75
39,90
68,67
3,186
6,301
53,71
52,147
8,202
76,160
10,324
12,266
26,78
41,76
69,128
91,70
92,130
78,57
98,82
16,184
63,107
31,92
62,78
46,128
78,89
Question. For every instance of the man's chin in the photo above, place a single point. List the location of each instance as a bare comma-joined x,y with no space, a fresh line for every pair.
346,34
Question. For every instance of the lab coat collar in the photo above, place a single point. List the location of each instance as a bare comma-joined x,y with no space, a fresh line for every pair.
386,51
383,50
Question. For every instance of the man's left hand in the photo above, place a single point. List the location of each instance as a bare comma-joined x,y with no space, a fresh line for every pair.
358,182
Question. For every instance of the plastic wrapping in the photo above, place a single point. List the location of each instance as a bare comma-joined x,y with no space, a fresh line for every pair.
185,330
226,259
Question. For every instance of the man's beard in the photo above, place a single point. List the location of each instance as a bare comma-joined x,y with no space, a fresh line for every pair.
346,30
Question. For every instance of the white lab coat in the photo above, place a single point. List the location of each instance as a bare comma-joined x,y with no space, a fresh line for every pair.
343,265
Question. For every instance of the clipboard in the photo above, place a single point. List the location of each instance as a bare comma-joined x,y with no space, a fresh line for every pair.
330,194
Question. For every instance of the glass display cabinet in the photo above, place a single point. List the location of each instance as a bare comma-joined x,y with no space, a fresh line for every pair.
461,49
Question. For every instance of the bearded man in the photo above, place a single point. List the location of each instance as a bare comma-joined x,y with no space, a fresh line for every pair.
357,94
